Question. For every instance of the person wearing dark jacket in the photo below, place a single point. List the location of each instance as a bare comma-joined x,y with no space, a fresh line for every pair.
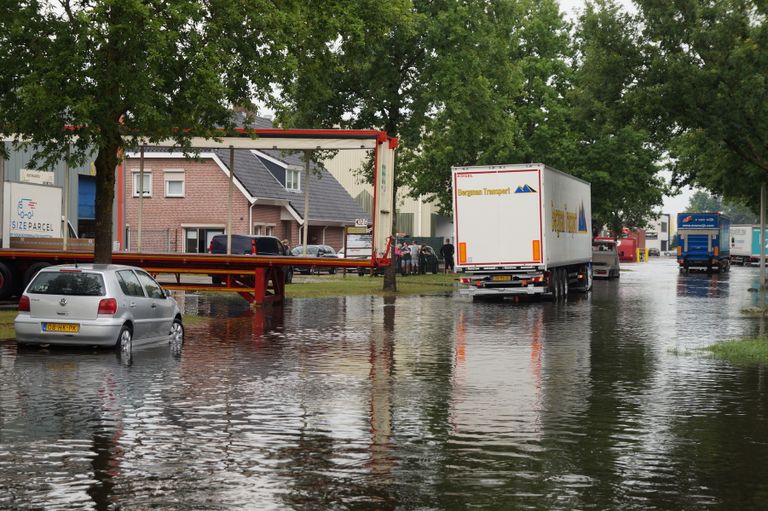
447,251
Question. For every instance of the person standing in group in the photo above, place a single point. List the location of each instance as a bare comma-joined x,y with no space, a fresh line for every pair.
405,259
415,249
447,251
287,246
423,255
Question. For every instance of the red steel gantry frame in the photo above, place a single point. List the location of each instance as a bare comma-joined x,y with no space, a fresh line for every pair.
259,279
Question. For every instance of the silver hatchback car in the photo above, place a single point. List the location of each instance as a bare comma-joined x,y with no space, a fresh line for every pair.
97,305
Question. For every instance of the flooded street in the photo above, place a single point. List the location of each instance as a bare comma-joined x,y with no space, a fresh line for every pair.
434,402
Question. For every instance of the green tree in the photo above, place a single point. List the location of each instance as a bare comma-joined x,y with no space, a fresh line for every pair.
115,70
612,148
702,201
705,91
497,86
363,72
358,66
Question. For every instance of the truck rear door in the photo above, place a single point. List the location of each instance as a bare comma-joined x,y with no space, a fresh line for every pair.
498,216
697,244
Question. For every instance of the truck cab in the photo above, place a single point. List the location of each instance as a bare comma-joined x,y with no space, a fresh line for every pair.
605,258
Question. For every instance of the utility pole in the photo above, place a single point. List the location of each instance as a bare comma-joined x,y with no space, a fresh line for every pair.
305,231
762,248
3,234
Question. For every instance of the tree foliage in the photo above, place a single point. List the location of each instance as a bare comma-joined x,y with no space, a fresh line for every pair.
497,86
702,201
612,148
478,82
118,69
706,91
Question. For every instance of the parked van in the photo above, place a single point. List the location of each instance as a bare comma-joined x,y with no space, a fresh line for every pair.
250,245
605,258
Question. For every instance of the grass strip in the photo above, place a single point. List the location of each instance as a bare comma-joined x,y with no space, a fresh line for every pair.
741,352
336,285
6,324
314,287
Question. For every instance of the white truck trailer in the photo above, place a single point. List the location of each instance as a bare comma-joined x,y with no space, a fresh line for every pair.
522,229
741,244
745,244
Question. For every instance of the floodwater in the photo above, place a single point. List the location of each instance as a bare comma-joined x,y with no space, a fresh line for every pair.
603,402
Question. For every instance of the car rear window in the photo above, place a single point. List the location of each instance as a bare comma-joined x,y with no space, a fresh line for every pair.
244,245
311,250
68,283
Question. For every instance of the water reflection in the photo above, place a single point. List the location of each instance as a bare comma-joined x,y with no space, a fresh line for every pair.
704,285
416,402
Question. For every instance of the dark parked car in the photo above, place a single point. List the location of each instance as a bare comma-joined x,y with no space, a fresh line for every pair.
315,251
252,245
431,264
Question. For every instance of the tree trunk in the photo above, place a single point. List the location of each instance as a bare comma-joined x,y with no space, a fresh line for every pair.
390,273
106,163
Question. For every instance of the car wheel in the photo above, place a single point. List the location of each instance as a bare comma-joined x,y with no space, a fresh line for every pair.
124,345
7,284
177,332
177,336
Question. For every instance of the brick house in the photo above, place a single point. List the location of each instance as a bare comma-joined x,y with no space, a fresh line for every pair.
185,200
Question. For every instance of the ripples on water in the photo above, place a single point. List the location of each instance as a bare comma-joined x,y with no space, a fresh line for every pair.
415,403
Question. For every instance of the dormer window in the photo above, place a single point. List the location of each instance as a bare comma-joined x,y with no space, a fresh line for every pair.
293,179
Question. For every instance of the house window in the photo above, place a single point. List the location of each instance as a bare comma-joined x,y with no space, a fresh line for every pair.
197,239
263,230
174,183
147,183
293,179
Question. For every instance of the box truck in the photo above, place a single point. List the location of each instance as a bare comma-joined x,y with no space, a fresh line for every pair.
703,242
31,220
745,244
521,229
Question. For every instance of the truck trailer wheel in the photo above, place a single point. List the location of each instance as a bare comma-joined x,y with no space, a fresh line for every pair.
564,279
7,281
32,271
554,284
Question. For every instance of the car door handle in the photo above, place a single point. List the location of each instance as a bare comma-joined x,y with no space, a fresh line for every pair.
132,304
154,305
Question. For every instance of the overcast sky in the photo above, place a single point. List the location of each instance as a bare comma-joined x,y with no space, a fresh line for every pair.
571,6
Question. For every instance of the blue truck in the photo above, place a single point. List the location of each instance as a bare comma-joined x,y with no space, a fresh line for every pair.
703,242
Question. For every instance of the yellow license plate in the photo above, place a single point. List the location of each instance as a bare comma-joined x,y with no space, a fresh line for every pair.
502,277
68,328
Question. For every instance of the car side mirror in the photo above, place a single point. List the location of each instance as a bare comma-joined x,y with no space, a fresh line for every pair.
166,293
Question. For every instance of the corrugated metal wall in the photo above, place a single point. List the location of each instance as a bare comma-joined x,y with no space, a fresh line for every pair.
21,159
